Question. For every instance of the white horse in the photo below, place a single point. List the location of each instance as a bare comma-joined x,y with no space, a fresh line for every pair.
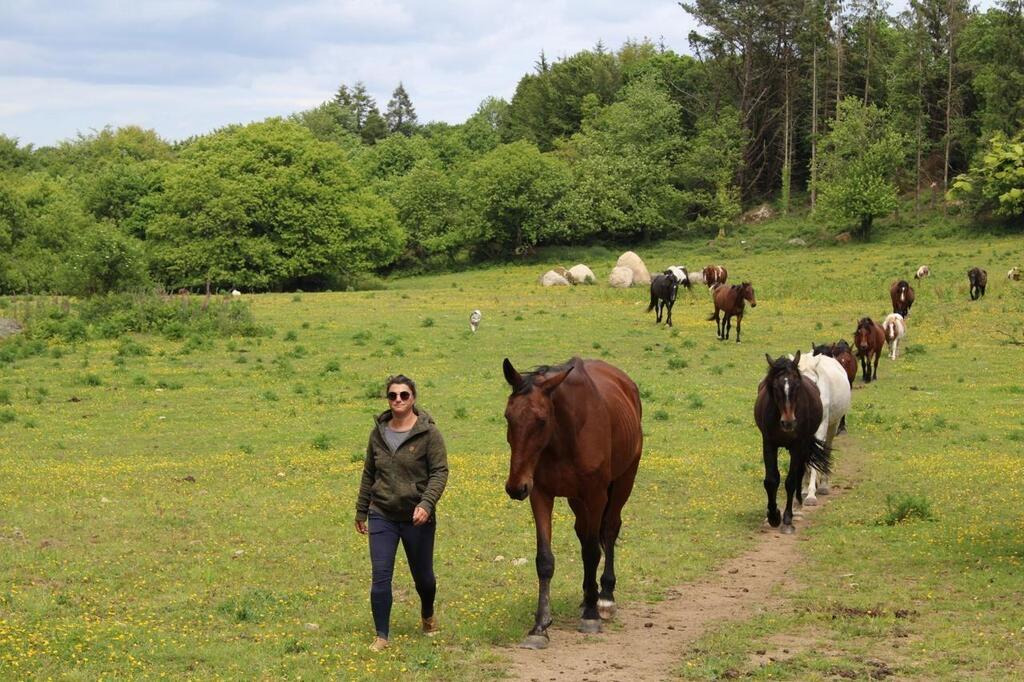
895,329
834,386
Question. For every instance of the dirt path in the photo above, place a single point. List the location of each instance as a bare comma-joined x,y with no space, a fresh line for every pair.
650,639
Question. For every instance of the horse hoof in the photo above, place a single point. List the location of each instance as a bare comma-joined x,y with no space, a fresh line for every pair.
535,642
774,519
590,627
810,502
606,609
787,529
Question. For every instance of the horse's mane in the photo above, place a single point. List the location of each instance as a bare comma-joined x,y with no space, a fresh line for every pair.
865,322
530,377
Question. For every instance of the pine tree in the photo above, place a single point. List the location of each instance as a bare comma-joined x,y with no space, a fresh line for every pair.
400,115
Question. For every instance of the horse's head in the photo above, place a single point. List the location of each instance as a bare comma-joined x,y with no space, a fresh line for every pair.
531,421
823,349
747,291
862,337
783,383
840,347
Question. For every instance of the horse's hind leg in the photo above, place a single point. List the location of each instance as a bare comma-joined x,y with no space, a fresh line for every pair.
668,306
739,321
618,493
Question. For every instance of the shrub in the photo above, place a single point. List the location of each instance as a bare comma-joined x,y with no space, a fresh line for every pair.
7,416
5,396
322,442
903,507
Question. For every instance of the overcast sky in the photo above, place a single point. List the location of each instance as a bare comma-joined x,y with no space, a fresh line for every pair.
185,67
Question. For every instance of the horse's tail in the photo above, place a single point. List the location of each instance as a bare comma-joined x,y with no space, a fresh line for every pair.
819,456
654,299
712,315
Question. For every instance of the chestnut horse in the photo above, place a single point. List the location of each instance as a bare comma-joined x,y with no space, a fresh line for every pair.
788,412
574,431
979,280
715,274
869,339
902,295
729,301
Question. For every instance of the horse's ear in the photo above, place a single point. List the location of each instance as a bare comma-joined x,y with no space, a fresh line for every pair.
514,378
771,363
552,382
796,358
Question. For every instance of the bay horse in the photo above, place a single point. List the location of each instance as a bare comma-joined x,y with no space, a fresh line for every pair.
788,413
714,274
869,339
663,293
902,295
835,392
895,328
574,432
730,301
979,280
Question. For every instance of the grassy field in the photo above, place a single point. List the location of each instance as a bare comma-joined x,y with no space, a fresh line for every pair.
184,508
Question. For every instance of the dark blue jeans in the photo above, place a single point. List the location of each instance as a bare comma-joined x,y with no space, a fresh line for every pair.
418,542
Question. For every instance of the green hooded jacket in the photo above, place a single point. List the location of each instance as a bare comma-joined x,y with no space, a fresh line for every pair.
394,484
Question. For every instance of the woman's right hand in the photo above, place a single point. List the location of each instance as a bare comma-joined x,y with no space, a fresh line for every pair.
361,527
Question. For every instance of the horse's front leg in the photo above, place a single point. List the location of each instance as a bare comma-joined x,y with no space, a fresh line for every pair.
739,321
542,504
588,529
793,478
874,371
668,306
865,371
770,454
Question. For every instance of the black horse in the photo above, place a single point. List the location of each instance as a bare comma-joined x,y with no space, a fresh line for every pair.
979,280
788,412
663,295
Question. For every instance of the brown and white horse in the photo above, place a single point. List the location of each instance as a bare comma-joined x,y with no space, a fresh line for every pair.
895,328
715,274
922,272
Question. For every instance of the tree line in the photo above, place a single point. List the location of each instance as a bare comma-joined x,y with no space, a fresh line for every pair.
837,106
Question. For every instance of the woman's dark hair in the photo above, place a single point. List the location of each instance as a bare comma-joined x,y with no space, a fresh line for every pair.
401,379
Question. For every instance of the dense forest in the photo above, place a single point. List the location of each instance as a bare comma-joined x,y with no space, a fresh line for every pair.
836,107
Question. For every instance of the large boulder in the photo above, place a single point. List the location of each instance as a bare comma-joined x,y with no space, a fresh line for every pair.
553,279
621,277
633,262
581,274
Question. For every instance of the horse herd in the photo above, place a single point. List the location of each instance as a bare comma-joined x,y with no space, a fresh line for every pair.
574,430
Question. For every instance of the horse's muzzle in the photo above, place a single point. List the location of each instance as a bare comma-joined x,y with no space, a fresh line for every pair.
517,493
788,426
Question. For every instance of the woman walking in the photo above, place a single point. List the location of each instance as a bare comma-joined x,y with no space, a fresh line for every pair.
404,475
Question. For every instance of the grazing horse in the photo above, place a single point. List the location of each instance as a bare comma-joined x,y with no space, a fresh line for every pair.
979,280
729,301
788,412
841,353
715,274
834,388
869,339
574,431
895,328
663,294
922,272
902,295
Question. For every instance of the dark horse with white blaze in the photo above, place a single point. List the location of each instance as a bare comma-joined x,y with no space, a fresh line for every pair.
574,431
788,412
978,279
664,288
902,296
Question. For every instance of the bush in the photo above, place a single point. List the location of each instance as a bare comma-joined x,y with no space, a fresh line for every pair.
322,442
902,508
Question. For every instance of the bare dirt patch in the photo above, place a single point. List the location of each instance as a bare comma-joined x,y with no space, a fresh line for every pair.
9,327
650,639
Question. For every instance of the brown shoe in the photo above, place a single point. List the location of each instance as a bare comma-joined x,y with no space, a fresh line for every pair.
379,644
430,626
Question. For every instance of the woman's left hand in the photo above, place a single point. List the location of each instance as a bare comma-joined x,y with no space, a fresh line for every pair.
420,516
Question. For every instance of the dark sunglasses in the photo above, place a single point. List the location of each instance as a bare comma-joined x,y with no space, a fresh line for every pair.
404,395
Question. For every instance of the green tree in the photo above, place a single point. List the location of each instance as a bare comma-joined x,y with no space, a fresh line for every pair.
266,206
859,159
430,210
511,194
709,166
996,182
400,114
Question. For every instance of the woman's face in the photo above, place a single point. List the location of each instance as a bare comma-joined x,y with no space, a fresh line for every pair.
400,399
